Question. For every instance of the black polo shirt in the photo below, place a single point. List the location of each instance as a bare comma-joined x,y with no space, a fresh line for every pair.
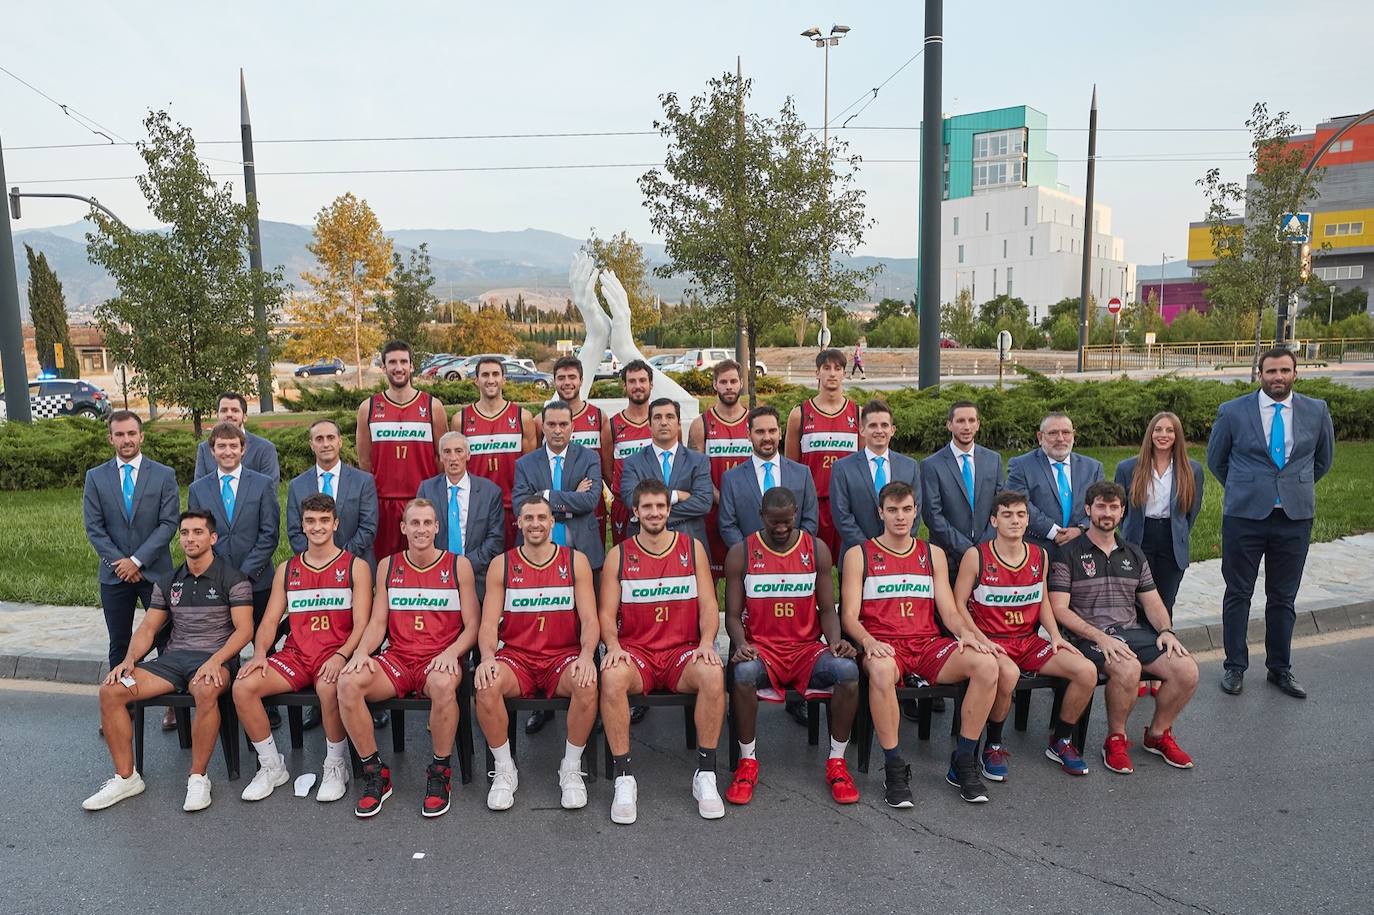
1102,588
200,605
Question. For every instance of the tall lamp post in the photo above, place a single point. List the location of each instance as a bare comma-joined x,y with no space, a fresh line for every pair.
826,42
1163,262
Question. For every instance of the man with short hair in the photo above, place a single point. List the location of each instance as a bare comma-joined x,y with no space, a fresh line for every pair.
686,473
958,486
1001,592
498,431
856,480
325,593
822,430
472,522
722,434
259,454
208,603
354,493
588,420
893,585
398,440
1270,471
625,435
659,620
541,609
742,487
568,476
1055,480
1096,584
779,602
425,608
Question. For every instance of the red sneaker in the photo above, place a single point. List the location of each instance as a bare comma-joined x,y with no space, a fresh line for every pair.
1114,755
1144,688
741,790
1165,745
841,785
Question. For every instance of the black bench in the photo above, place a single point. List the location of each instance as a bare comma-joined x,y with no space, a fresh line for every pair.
813,713
182,703
923,695
515,705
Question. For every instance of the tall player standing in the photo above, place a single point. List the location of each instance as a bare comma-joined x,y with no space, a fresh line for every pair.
722,434
398,443
498,432
822,430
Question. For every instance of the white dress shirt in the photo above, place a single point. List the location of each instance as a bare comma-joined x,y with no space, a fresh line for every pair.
233,476
464,487
658,460
549,452
758,470
1266,408
1161,486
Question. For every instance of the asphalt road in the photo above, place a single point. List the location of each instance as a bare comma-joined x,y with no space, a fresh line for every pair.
1359,379
1274,819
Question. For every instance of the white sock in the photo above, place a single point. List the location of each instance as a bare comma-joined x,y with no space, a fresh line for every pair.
334,750
572,756
746,750
837,748
502,756
266,749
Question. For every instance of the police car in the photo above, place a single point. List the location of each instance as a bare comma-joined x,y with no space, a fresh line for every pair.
49,397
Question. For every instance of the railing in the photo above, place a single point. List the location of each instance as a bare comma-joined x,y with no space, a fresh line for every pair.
1214,354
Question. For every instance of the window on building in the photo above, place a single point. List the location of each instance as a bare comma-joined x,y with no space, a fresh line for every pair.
1032,246
1344,228
1025,216
1341,146
994,282
1071,220
956,225
987,221
1099,251
1009,292
1004,249
961,254
1344,272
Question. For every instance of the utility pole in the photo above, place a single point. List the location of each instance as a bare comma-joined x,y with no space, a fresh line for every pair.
932,192
16,372
250,192
741,333
1084,289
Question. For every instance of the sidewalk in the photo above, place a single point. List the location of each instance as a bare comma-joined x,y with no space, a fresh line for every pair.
68,644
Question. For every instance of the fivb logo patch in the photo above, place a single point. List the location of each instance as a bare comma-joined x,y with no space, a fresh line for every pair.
319,599
494,444
401,432
830,441
892,587
779,585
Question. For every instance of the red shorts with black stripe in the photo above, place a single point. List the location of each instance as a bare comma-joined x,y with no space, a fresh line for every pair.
300,671
923,657
789,666
660,671
536,673
405,672
1030,652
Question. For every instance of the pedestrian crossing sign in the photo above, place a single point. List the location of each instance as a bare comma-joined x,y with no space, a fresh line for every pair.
1295,228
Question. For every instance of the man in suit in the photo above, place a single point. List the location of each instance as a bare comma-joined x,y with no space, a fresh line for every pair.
353,490
855,480
742,487
959,485
1268,449
1055,480
569,476
687,473
259,454
472,522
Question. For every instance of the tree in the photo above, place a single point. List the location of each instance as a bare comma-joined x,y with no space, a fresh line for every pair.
183,318
959,319
486,330
410,303
753,211
889,308
48,312
1003,306
1066,306
625,257
1140,318
1321,301
354,263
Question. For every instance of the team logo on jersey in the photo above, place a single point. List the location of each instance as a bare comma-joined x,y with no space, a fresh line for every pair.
632,562
806,560
1125,565
378,409
879,562
424,410
1089,566
510,420
295,572
990,573
852,422
340,574
563,572
174,598
443,576
684,558
1035,570
921,560
398,576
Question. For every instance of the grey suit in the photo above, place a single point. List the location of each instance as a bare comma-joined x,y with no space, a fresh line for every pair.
249,540
854,499
741,501
954,525
484,528
355,505
1032,474
1180,525
691,472
575,509
259,454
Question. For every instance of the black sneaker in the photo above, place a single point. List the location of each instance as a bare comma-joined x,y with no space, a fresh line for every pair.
637,713
535,723
964,776
897,784
437,778
376,788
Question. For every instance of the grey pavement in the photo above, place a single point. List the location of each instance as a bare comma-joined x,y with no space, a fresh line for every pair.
1273,819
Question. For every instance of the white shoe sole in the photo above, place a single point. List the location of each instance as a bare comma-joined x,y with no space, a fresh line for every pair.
375,810
1167,759
324,798
1111,769
1054,758
186,806
123,796
622,819
989,776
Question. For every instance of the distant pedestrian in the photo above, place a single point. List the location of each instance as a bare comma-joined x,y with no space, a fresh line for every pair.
858,368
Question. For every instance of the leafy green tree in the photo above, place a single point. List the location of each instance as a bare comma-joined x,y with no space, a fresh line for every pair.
624,256
1064,307
1321,302
1004,306
411,302
48,312
896,331
889,308
183,317
959,319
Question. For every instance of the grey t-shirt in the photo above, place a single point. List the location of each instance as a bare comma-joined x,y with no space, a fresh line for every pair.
199,605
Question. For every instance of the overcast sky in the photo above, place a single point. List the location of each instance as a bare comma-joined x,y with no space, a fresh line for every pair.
1176,80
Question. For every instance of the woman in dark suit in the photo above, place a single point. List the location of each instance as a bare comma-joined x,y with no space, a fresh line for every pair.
1164,493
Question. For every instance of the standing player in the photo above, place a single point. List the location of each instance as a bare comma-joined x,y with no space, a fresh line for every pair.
659,620
425,607
541,608
398,441
893,585
779,601
325,592
822,430
498,432
626,433
722,434
1001,589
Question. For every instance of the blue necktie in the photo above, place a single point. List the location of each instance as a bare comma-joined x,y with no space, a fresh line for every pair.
667,465
455,522
560,530
1065,494
768,481
226,492
879,474
326,483
1276,449
128,489
968,478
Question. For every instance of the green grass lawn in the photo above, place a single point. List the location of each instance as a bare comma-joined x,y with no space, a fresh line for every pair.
44,556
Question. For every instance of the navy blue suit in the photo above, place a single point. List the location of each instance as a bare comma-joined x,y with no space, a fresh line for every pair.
355,505
575,509
954,525
741,501
484,527
691,472
249,540
258,454
854,500
1032,474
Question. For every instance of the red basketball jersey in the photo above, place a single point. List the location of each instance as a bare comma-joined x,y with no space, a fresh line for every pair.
402,437
627,439
825,438
319,604
780,593
586,428
1006,602
540,613
727,444
658,596
425,615
899,592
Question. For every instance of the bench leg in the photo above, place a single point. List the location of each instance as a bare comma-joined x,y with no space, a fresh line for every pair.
813,723
1021,702
139,716
184,727
228,736
1057,707
689,724
465,746
862,735
732,736
591,753
1081,731
610,762
295,721
398,731
923,718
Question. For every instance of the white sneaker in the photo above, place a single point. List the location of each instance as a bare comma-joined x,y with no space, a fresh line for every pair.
197,793
271,775
503,785
573,786
114,791
334,783
709,804
623,809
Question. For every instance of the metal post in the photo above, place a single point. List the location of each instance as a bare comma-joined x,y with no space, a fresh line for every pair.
1330,308
250,193
932,150
16,372
741,331
1086,284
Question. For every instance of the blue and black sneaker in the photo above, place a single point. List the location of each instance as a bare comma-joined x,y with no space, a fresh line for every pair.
994,762
1067,755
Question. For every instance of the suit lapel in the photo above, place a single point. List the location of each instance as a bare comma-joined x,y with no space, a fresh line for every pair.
1042,460
952,462
1252,407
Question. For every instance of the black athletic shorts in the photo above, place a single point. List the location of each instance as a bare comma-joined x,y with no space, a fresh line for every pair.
177,667
1141,640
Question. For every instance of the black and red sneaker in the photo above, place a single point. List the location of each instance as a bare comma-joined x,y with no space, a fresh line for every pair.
437,778
376,788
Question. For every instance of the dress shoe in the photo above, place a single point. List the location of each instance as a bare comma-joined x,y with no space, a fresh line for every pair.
169,720
637,713
1284,680
937,705
797,712
310,718
910,710
535,723
1232,682
274,717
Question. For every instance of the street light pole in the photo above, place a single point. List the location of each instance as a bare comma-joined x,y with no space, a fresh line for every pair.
825,42
1330,307
250,193
15,372
932,162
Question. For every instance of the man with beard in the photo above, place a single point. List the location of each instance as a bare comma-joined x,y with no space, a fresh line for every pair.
1054,480
958,485
398,441
685,472
498,431
722,434
259,454
626,433
821,431
742,487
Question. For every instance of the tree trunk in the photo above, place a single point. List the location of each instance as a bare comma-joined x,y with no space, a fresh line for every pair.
753,374
358,347
195,424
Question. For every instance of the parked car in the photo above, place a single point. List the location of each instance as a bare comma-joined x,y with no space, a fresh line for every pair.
706,359
433,359
521,373
466,367
333,366
49,397
436,367
663,360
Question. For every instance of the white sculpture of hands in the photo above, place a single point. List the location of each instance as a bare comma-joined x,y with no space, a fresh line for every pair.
582,280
